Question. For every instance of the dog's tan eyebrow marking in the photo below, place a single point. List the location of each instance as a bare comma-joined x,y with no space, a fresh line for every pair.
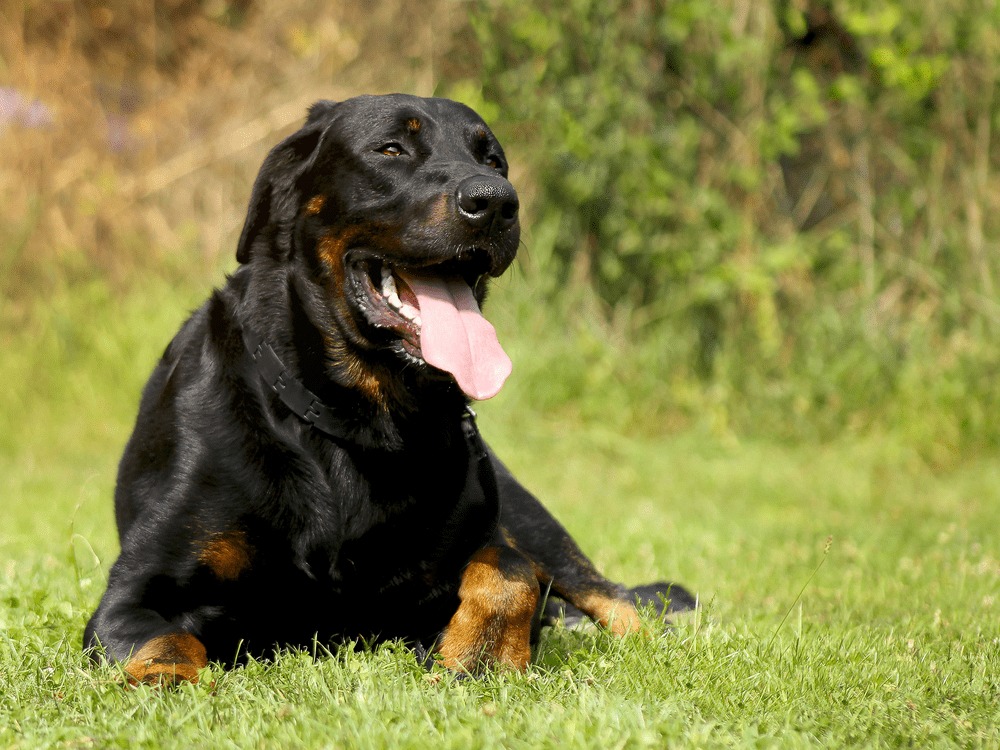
315,205
413,126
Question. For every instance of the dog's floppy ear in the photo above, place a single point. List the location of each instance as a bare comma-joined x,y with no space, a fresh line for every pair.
274,198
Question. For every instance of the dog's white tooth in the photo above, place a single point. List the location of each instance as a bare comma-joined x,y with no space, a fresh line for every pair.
394,300
389,287
408,311
417,321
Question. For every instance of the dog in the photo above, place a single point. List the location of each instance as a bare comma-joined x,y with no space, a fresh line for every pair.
305,467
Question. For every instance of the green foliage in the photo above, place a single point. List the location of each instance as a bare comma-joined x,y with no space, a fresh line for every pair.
802,198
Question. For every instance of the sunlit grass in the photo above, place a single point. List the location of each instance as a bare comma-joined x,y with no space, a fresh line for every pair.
894,641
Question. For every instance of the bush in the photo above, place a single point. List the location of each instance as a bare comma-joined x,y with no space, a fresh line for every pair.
796,202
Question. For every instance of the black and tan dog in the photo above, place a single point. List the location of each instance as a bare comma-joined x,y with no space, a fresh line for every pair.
304,464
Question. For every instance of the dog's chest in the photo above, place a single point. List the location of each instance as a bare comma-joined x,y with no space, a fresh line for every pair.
408,520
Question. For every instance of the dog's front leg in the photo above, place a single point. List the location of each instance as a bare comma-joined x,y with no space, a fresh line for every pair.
127,630
169,657
492,626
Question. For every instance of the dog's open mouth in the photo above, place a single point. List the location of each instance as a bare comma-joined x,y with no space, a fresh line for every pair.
435,318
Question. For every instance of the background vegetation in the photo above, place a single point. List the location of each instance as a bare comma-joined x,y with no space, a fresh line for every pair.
777,217
793,203
756,306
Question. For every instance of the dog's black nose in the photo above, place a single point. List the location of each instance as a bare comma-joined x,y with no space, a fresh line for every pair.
487,200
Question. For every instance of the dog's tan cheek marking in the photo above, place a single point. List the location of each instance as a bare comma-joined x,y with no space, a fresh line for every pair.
315,205
330,249
413,126
492,625
167,659
331,253
617,615
369,382
227,555
369,379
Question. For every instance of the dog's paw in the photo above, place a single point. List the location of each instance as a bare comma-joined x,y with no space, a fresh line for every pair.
167,660
665,597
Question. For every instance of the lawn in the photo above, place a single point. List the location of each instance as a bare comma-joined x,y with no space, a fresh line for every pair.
850,595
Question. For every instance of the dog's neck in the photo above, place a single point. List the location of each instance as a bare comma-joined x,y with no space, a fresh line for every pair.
409,406
307,406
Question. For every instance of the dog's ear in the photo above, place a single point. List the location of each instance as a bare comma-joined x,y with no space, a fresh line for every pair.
320,111
274,199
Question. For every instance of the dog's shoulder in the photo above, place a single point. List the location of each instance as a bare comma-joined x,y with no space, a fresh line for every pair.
188,407
208,341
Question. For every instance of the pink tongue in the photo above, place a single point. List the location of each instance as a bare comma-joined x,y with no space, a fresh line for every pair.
456,338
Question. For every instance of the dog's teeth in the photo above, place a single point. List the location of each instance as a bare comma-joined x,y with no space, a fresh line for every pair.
409,312
417,321
389,285
391,295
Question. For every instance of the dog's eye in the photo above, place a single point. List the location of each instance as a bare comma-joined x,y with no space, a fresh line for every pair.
391,149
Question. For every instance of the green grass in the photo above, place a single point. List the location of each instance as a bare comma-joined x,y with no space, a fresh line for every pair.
889,638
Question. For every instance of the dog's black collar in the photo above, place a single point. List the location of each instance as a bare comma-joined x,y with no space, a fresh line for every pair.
303,403
307,406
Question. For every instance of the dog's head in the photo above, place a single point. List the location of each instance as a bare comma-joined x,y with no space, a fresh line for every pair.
398,209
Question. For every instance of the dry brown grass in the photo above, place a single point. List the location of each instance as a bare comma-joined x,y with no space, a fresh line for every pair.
160,112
